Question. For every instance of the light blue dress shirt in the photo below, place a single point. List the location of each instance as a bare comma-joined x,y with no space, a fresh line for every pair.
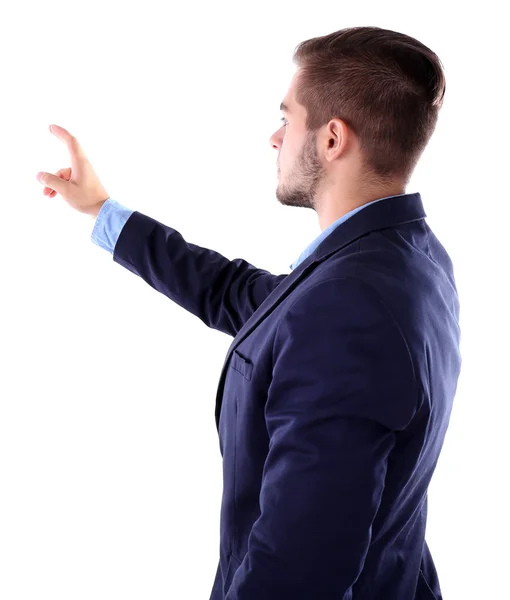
113,216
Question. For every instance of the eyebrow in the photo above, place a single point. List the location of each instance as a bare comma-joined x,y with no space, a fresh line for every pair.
284,108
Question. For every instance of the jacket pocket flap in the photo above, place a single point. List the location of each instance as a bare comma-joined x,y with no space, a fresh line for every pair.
241,364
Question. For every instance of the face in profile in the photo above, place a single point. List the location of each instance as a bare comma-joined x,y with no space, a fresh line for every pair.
300,171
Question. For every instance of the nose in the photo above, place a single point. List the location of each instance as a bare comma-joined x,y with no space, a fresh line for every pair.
276,140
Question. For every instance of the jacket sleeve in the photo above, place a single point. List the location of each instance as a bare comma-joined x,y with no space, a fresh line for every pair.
343,384
220,292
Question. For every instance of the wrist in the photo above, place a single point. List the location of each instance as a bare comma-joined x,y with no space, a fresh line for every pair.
94,210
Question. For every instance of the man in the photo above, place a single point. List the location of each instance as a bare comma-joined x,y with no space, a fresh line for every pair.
337,390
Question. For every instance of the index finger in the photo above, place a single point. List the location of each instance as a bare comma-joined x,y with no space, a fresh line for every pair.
76,151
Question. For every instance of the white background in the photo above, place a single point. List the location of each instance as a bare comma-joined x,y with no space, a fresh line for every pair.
110,469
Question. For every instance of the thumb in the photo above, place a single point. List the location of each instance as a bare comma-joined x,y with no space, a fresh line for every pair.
52,181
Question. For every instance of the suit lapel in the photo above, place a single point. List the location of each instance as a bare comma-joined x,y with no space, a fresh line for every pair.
389,212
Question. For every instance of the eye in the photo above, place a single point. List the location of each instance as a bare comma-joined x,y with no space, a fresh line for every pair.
284,119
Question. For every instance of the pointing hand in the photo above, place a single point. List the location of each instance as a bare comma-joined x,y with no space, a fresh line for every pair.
78,184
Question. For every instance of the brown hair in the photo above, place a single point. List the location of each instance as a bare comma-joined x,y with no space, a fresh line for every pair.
386,86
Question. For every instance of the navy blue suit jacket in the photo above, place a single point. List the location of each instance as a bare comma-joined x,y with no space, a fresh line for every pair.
332,405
